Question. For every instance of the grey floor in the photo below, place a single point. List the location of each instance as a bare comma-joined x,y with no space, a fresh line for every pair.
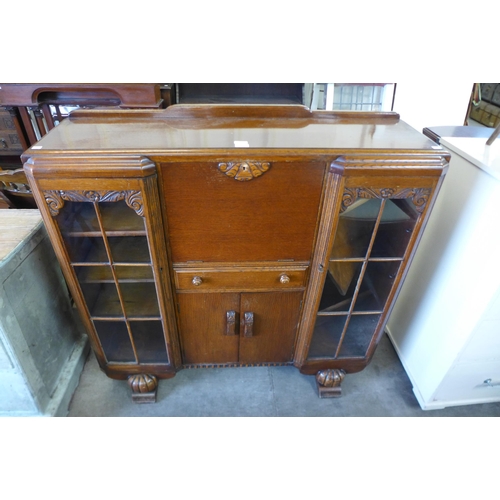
381,390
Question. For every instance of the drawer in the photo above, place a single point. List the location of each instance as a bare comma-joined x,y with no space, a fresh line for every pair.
240,279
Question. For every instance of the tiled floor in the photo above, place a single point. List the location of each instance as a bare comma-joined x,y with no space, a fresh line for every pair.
381,390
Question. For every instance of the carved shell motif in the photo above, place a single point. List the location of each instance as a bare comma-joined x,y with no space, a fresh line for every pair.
55,199
244,171
418,196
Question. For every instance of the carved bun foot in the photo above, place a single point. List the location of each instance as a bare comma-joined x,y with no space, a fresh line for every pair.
328,382
143,388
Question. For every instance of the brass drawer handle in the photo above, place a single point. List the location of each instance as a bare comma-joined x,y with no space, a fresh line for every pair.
284,279
197,281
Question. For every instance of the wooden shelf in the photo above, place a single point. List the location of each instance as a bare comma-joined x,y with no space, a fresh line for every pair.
141,273
139,300
125,250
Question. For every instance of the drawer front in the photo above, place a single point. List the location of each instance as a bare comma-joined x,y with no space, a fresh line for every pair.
241,279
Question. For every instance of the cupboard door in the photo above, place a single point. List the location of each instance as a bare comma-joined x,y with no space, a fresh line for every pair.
205,337
270,337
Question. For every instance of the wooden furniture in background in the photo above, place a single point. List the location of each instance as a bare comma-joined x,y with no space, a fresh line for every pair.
15,190
37,107
29,111
224,236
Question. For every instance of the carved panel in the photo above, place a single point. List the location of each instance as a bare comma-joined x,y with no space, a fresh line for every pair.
55,199
419,196
244,171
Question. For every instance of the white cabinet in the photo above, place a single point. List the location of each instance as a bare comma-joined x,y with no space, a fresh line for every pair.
445,325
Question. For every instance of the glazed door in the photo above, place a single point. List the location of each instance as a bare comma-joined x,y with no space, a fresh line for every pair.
376,232
108,248
238,328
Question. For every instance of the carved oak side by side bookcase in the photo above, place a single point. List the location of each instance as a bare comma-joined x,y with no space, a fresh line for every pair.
226,236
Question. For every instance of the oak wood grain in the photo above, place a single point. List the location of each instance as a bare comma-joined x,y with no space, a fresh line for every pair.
232,219
238,278
275,319
202,321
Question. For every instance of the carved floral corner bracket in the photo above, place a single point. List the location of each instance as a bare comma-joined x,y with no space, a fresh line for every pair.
55,199
419,196
244,171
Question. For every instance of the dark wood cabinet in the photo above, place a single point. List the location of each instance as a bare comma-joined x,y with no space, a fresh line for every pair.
224,236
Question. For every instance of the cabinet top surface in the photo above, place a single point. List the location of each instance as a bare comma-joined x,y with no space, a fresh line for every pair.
194,127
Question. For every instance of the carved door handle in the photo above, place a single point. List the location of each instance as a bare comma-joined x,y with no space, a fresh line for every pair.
231,323
248,324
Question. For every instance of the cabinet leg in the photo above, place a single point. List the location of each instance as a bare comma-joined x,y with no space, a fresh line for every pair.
328,383
143,387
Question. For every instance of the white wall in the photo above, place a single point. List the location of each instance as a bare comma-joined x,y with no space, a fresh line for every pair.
432,103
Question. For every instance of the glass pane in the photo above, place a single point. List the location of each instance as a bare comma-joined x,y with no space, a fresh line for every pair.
94,274
140,299
149,341
355,229
102,299
326,336
358,335
395,229
376,285
77,217
85,249
115,341
129,249
134,273
339,286
118,216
